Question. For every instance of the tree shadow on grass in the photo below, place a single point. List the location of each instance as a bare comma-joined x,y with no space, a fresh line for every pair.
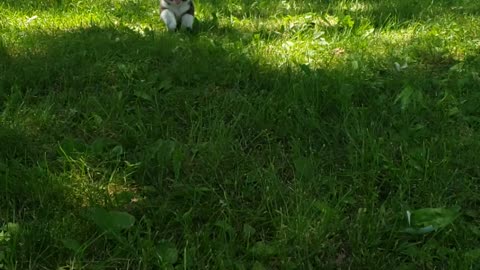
154,94
31,199
196,120
94,58
179,73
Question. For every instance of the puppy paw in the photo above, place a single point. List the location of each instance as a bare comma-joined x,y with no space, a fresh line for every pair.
187,21
172,26
169,19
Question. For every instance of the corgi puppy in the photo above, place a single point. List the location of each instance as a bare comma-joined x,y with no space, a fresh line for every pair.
177,12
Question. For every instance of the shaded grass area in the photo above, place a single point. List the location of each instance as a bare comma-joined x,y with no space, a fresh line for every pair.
237,147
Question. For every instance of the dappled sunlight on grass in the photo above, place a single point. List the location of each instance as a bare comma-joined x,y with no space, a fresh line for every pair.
43,22
100,187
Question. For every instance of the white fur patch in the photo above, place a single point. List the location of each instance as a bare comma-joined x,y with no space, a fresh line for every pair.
169,18
187,21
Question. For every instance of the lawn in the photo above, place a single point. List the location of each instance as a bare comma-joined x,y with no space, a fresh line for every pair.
276,135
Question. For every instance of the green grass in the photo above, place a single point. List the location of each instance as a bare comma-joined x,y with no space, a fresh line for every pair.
278,135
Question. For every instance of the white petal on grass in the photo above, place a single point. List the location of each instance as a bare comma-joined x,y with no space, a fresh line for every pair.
323,42
427,229
31,19
397,66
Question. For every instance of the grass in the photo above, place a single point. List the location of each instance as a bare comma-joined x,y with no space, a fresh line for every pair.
278,135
